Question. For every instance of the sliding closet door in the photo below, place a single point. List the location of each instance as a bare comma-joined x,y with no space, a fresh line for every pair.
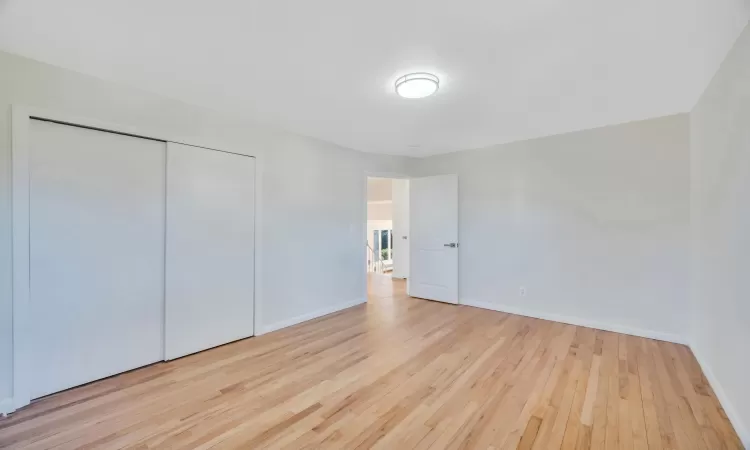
96,254
210,248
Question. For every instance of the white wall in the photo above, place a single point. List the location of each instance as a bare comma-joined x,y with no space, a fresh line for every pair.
380,210
379,189
401,228
595,225
720,151
308,188
379,198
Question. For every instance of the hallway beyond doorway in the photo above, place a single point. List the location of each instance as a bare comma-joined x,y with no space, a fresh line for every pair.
384,286
387,226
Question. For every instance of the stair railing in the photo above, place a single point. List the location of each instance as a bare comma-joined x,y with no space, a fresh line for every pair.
374,263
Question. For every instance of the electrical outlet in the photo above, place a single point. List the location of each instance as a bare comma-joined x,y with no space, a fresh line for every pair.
522,291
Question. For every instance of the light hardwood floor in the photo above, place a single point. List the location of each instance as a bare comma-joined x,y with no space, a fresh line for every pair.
397,373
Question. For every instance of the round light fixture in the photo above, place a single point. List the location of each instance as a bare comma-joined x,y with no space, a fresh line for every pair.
417,85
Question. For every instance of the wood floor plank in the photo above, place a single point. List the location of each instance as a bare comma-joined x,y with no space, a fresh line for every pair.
599,414
397,373
650,414
529,435
637,415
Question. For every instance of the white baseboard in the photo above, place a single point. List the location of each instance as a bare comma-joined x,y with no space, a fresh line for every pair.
309,316
650,334
724,399
6,406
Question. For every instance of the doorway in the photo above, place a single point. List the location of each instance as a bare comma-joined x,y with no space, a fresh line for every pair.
388,227
387,230
412,235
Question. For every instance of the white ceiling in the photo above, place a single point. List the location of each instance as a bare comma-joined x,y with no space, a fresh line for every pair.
510,70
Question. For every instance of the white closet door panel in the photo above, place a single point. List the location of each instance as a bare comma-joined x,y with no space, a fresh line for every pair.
96,254
210,248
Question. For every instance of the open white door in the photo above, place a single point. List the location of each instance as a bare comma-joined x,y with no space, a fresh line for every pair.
433,207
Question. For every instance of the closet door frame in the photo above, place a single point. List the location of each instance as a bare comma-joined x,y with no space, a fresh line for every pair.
21,117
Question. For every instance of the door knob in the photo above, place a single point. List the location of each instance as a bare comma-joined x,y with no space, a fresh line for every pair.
451,245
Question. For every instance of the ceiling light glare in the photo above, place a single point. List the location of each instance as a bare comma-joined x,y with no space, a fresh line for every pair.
417,85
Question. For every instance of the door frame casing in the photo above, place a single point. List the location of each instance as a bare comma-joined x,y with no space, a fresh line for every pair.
408,243
21,117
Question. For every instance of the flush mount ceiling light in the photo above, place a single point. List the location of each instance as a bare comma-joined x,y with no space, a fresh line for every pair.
417,85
